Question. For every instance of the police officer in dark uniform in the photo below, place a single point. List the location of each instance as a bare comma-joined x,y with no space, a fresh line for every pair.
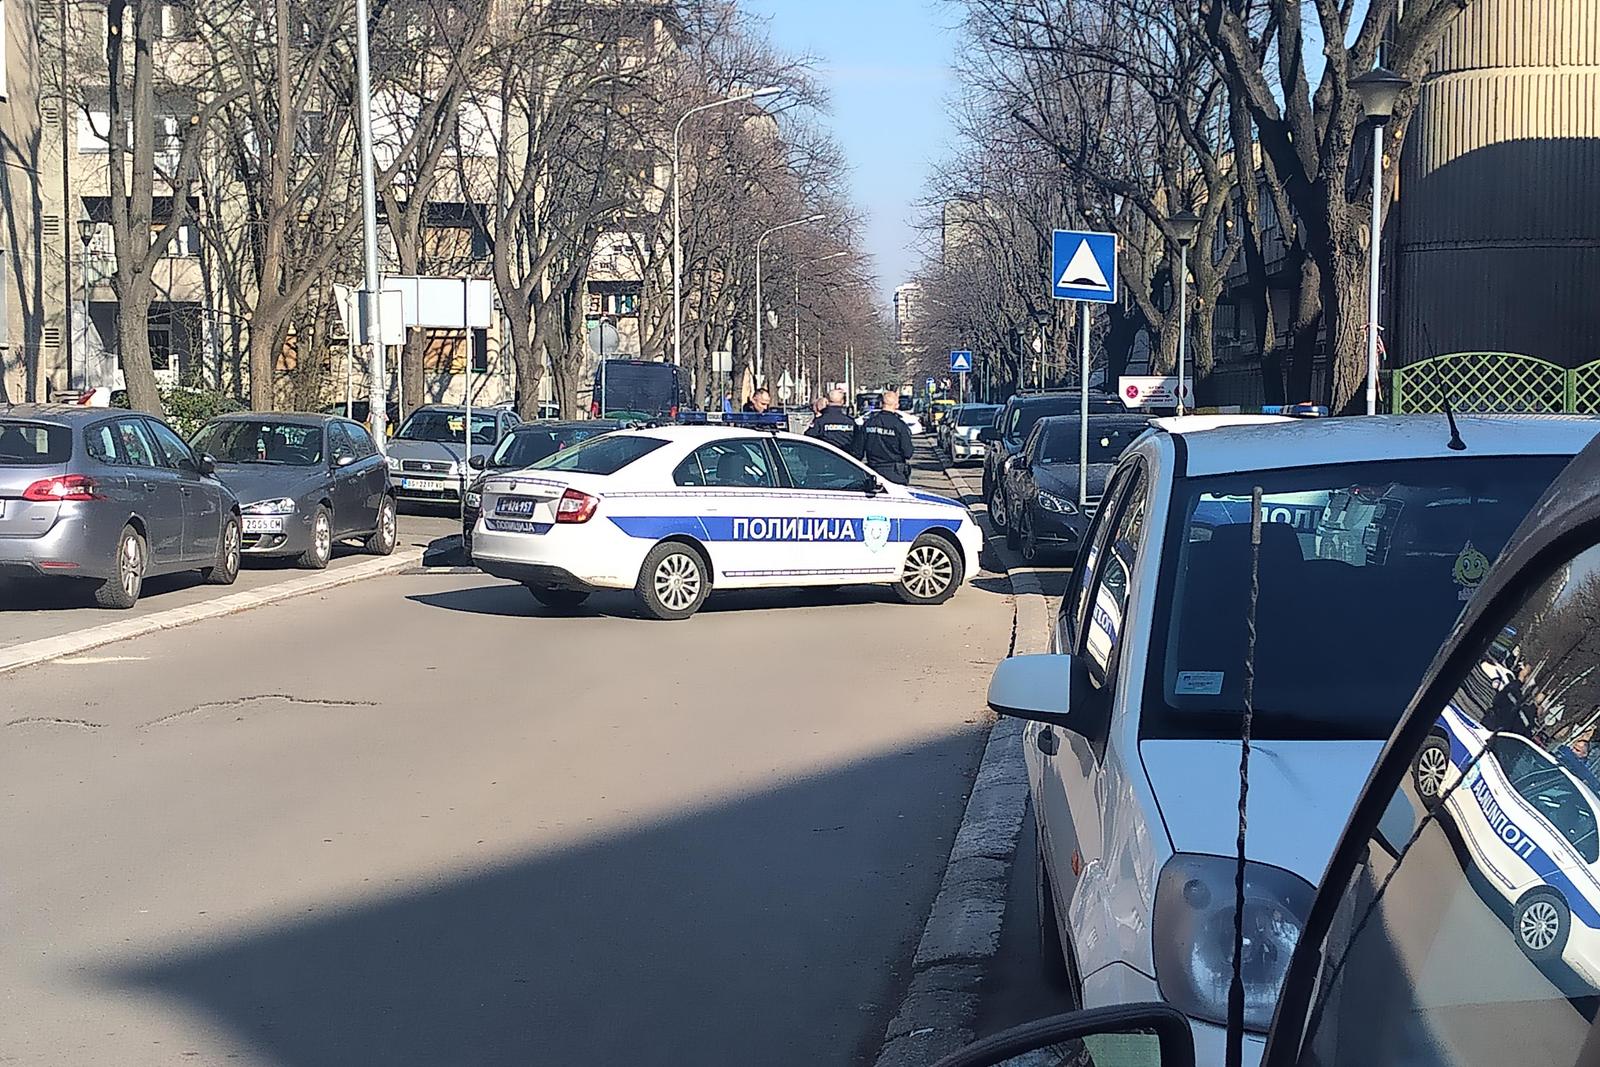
884,441
833,424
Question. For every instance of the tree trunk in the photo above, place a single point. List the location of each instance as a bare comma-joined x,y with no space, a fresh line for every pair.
530,368
1202,322
133,343
1344,301
1305,317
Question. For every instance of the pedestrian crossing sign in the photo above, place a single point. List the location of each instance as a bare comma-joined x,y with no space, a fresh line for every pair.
960,362
1083,266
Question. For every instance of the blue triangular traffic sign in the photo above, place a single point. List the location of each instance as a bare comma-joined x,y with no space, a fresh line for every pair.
1083,266
960,362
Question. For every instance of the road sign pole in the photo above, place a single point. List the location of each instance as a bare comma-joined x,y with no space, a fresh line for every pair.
1083,407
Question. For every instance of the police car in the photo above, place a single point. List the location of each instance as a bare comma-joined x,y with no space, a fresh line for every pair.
1527,817
1375,537
673,512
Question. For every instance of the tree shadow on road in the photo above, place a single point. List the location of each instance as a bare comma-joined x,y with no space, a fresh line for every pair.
775,928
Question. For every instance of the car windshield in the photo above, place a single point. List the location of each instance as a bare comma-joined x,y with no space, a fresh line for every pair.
262,441
600,455
1107,440
432,424
33,444
1364,568
1024,416
975,416
527,447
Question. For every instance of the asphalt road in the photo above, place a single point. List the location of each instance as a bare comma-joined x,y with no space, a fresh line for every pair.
418,820
30,610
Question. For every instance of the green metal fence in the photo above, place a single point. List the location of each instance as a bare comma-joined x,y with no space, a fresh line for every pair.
1483,382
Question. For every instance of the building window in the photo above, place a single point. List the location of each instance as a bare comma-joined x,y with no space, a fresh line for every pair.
160,337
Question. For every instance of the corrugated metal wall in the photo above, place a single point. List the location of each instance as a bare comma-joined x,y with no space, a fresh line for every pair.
1498,223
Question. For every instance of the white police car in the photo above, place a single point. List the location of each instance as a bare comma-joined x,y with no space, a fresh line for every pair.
1377,533
1527,816
673,512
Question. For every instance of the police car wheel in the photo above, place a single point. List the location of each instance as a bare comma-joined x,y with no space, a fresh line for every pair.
1540,923
1429,769
932,573
673,582
559,599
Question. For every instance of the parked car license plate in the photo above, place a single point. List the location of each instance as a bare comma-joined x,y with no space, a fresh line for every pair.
423,485
259,525
515,505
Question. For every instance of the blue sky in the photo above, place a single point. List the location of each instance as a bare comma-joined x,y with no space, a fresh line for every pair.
886,66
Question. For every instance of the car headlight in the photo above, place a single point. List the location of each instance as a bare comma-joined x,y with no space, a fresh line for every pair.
1058,504
394,464
1193,934
474,500
281,506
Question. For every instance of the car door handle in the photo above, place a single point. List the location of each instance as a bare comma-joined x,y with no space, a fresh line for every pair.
185,490
150,487
1047,742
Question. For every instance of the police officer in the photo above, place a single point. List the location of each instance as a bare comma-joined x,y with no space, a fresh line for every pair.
884,441
833,424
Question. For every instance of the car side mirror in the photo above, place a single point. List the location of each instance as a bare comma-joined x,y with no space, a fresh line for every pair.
988,434
872,487
1043,687
206,464
1137,1035
343,460
478,462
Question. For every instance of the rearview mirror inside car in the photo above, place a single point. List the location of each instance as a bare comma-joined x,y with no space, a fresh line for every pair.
1039,687
478,462
1135,1035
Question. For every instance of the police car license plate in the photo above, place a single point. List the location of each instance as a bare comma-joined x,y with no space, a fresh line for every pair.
519,506
257,525
423,485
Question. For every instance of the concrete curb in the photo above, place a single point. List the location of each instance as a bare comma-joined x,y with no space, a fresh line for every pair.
31,653
962,932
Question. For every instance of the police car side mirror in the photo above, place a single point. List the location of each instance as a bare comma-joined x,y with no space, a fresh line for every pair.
1138,1035
872,486
1041,687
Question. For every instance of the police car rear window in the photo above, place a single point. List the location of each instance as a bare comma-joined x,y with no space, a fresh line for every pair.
600,455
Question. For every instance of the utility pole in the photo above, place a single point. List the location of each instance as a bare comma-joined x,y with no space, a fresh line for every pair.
377,373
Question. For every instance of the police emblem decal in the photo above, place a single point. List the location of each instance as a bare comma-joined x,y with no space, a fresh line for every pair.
875,532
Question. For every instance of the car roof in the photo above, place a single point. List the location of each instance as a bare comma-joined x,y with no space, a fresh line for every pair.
292,418
1230,444
566,424
61,413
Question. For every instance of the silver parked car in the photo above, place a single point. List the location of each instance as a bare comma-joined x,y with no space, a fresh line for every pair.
111,497
306,482
428,457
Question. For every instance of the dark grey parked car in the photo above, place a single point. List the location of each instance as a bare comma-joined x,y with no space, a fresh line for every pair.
110,497
428,456
305,482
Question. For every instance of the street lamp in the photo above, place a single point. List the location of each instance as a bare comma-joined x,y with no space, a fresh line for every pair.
1041,318
86,228
677,246
1377,89
760,313
1185,226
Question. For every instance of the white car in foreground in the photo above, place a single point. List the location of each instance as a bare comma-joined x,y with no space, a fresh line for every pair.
676,511
1376,534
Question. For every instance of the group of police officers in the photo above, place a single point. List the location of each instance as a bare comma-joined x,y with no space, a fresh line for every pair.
883,440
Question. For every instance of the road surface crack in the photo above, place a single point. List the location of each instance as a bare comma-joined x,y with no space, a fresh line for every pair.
45,720
256,698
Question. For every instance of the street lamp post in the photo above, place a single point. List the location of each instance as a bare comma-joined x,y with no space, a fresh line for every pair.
1185,225
760,312
677,246
377,373
1377,89
86,229
1041,318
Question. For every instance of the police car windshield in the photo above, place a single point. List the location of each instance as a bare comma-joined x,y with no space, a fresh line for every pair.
1364,569
600,455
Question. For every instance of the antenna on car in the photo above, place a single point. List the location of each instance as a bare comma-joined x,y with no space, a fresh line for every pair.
1235,1039
1456,443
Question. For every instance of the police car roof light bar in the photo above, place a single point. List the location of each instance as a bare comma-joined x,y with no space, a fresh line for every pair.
1295,411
